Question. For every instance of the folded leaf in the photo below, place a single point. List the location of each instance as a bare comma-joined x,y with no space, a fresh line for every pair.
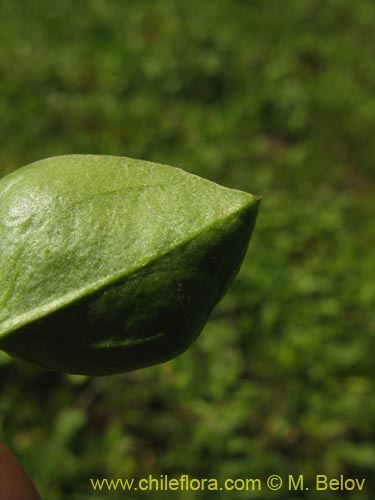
109,264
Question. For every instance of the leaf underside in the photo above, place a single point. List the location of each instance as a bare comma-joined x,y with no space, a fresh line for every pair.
109,264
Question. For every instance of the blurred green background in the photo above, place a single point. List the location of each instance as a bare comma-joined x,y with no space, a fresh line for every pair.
274,98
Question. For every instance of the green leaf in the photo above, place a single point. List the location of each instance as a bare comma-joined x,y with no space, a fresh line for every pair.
109,264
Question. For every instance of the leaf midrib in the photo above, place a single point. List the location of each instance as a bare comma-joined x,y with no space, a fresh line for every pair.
10,326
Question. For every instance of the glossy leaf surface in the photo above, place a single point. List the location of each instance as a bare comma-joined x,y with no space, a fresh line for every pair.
109,264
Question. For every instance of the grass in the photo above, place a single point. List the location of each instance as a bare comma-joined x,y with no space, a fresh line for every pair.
274,101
